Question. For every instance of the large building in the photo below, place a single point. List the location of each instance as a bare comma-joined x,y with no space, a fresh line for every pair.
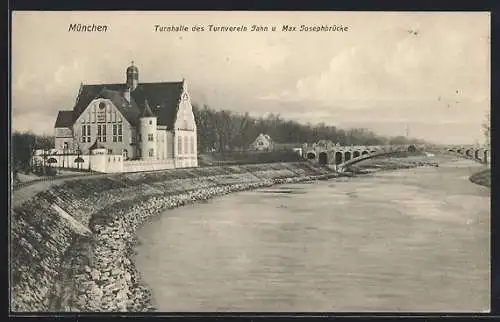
140,121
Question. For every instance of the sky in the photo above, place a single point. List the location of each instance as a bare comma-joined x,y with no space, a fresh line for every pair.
389,71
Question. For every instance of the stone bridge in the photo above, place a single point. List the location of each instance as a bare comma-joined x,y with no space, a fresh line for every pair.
330,154
476,153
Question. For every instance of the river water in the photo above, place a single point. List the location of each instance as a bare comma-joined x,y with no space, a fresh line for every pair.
408,240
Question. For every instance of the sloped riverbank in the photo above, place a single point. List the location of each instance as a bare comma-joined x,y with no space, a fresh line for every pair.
482,178
71,245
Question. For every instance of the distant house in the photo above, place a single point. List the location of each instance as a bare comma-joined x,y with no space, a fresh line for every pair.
263,142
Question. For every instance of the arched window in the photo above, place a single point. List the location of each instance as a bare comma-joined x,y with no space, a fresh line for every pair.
125,154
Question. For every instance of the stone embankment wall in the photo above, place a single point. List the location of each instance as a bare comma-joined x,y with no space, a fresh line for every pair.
71,246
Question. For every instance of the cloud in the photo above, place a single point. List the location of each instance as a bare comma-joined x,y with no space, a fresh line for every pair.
397,67
374,73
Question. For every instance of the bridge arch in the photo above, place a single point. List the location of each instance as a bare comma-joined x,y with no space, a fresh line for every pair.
311,155
338,157
468,153
412,148
460,151
347,155
373,151
476,155
356,154
364,152
323,158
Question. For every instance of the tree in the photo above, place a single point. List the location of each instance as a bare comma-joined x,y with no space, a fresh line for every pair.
227,130
22,146
486,129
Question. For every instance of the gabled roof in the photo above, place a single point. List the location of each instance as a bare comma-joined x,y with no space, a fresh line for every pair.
129,110
163,98
263,136
64,119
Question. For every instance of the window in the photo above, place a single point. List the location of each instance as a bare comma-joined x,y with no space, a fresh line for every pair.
151,152
120,133
186,143
85,133
179,145
125,154
192,145
117,133
110,151
151,137
150,122
101,132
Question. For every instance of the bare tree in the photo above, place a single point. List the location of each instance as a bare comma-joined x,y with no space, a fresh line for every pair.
486,129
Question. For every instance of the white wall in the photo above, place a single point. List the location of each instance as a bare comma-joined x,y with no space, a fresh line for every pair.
148,165
161,145
67,160
186,162
170,145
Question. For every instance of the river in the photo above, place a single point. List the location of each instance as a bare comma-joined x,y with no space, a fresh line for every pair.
407,240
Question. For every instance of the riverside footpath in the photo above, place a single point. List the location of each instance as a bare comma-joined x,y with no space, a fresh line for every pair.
71,244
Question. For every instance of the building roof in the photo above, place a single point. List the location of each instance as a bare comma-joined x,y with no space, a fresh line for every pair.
132,69
163,97
146,112
129,110
64,119
97,145
263,136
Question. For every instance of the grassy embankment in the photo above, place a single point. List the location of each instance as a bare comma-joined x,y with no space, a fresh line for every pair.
72,244
482,178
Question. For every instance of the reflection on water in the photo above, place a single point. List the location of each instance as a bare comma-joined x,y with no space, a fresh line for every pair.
412,240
